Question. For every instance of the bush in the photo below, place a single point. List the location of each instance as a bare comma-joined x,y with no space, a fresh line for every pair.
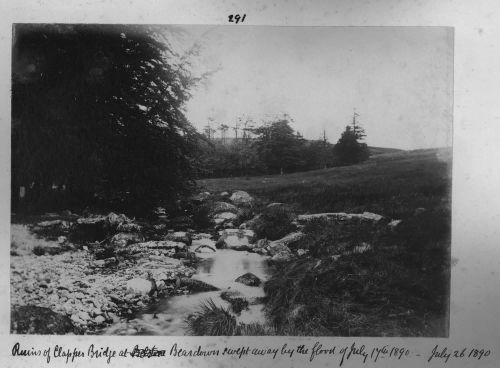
275,222
211,320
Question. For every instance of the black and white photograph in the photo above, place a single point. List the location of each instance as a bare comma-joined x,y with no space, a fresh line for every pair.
212,180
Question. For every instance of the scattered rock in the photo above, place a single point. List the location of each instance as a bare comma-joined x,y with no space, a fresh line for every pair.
159,244
224,217
341,216
141,286
59,224
199,236
99,319
393,225
249,279
179,236
121,240
130,227
236,239
235,299
219,207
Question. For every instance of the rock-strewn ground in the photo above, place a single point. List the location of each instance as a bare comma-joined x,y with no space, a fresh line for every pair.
89,291
98,270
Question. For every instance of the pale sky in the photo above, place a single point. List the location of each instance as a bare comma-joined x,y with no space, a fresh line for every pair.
399,80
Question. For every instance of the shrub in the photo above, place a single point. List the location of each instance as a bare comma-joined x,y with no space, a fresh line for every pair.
38,250
275,222
211,320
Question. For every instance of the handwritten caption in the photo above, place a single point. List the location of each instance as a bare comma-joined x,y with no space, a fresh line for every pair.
341,353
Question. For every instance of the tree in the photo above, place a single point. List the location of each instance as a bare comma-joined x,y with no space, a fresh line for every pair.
279,147
349,150
97,113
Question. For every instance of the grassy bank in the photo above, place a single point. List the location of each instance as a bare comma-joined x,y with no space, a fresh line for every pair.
399,287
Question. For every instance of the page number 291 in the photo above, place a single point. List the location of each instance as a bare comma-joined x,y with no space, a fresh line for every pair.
236,18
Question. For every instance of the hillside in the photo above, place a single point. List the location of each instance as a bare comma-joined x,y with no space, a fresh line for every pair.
393,184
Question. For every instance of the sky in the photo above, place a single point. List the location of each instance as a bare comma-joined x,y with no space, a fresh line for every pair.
398,79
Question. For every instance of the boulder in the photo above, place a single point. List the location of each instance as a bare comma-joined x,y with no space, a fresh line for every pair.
179,236
241,198
224,217
141,286
123,239
130,227
219,207
249,279
53,224
159,244
236,239
114,220
262,243
287,241
198,236
99,319
341,216
283,255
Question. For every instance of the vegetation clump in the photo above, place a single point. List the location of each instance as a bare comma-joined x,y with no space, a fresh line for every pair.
274,222
211,320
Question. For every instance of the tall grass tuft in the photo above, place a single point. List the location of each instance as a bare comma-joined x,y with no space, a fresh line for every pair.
211,320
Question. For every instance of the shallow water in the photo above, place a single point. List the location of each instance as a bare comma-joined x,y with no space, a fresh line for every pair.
219,269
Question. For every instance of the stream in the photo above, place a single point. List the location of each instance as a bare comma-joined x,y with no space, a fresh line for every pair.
167,316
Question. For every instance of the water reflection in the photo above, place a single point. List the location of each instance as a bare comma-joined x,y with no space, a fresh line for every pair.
206,265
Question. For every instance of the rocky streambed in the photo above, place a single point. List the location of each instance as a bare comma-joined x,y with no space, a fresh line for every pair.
115,275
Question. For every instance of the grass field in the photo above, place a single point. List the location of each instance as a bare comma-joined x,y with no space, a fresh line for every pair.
392,184
401,288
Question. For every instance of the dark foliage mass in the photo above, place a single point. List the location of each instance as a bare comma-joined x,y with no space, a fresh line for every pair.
274,222
275,148
349,148
96,117
272,148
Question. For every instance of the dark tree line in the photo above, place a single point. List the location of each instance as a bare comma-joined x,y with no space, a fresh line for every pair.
275,148
97,118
